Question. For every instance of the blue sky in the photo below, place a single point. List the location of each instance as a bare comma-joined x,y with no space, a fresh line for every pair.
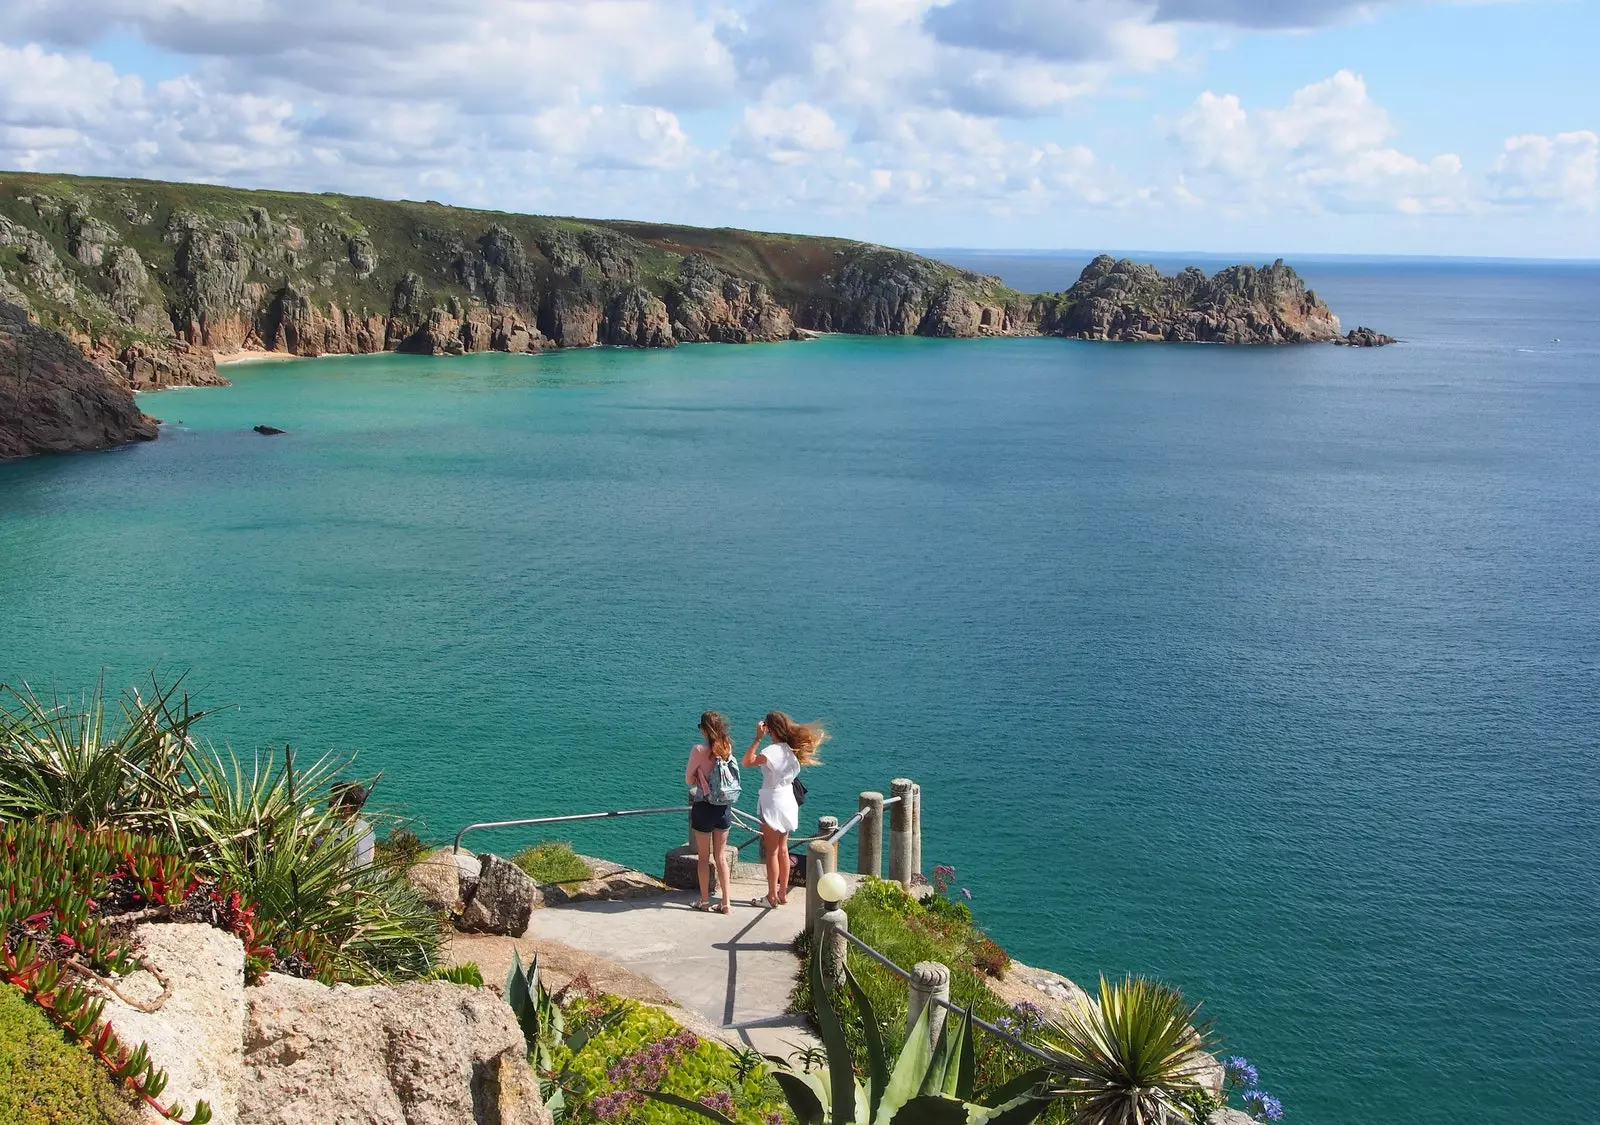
1244,126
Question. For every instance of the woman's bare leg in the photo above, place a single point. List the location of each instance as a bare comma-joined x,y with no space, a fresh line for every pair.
702,856
719,854
785,866
770,842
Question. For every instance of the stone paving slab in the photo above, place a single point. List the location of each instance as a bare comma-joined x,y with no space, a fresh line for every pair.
737,971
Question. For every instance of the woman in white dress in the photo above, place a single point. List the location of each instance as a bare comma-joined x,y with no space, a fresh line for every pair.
792,746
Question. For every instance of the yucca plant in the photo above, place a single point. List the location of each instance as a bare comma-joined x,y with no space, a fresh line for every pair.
87,763
929,1084
266,830
1131,1056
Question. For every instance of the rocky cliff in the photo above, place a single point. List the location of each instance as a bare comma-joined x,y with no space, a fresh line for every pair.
1121,300
146,281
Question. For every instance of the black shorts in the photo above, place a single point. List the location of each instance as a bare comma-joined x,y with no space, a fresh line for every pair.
706,817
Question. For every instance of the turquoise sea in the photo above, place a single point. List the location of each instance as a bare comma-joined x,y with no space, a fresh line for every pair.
1271,672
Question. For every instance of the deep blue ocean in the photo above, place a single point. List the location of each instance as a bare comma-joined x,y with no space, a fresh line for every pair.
1271,672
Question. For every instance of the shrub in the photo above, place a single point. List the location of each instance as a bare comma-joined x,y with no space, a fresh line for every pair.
266,830
552,861
44,1080
467,973
607,1079
399,849
906,931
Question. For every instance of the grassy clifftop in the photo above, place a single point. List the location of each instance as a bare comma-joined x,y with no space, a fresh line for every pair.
142,265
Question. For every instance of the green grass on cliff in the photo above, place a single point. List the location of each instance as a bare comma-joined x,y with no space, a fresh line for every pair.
552,861
44,1080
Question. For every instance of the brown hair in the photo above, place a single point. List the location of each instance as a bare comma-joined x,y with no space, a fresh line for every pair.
802,738
715,728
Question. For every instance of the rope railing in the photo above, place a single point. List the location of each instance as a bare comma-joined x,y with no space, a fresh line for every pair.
1019,1044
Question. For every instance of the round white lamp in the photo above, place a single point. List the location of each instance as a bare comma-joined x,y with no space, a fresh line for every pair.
832,887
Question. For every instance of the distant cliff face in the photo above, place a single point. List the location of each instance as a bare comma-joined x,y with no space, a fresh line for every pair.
148,280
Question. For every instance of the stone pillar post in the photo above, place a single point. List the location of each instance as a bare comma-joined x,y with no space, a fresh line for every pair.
916,831
930,981
832,947
869,835
827,826
820,858
900,832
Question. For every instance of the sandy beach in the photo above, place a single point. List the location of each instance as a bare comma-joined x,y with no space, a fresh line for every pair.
225,358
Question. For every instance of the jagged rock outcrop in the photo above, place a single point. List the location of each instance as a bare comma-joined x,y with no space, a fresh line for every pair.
637,318
707,304
1122,300
53,399
1364,337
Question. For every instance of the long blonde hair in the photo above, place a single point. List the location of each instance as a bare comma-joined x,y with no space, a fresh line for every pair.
803,738
715,728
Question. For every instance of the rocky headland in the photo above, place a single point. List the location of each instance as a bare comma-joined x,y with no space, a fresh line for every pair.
113,286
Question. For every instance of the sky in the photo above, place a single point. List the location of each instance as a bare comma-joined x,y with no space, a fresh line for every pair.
1438,127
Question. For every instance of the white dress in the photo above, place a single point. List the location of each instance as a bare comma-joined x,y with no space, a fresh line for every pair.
777,806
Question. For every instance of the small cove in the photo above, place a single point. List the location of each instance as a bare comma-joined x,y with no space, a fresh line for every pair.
1270,672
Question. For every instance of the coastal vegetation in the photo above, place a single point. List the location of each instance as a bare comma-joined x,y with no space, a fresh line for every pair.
44,1078
111,814
552,861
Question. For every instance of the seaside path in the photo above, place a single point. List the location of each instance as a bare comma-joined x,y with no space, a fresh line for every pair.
733,973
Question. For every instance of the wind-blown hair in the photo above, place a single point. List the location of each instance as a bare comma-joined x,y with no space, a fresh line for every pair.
803,738
715,728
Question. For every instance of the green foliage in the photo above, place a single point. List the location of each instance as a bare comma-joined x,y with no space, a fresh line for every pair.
552,861
627,1028
53,875
399,849
60,760
467,973
930,1083
44,1080
1133,1057
906,931
266,829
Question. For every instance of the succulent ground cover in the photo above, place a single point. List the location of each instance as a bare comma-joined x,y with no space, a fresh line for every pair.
44,1078
552,861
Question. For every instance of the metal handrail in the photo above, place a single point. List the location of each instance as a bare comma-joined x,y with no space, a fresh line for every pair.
839,833
1026,1048
456,849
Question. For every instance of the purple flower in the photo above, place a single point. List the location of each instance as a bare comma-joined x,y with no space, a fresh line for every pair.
1241,1072
1263,1106
721,1101
773,1118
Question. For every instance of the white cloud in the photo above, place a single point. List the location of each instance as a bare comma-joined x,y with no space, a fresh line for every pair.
788,134
1327,150
1563,170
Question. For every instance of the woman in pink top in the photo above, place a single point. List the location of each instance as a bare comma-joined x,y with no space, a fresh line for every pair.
709,821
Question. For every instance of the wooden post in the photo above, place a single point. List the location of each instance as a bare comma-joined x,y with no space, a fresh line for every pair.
900,832
820,859
832,947
916,832
869,836
929,981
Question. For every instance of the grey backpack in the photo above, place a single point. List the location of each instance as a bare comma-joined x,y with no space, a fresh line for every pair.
722,781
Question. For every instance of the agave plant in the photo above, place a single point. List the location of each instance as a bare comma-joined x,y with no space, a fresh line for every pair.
544,1029
929,1084
1132,1056
83,763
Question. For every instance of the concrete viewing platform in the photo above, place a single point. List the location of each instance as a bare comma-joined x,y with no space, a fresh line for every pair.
734,972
